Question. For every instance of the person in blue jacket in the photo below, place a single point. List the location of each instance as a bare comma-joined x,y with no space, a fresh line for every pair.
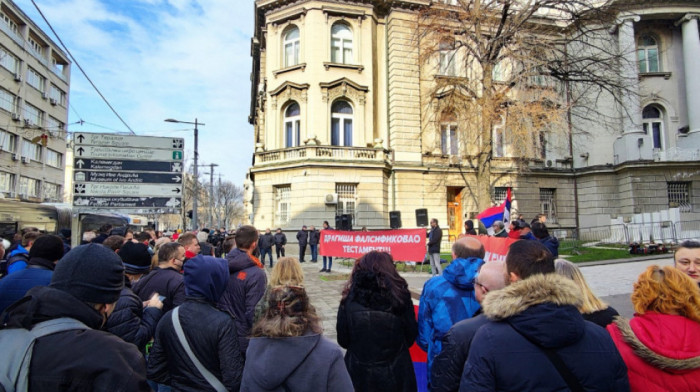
449,298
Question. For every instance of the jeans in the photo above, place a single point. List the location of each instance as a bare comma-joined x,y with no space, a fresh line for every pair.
435,264
314,253
302,251
330,263
279,249
263,252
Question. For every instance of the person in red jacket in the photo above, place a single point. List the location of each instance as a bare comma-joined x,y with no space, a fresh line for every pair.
660,343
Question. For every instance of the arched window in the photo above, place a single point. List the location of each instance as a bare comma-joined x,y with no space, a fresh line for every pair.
291,42
341,124
652,122
292,125
341,44
449,138
648,54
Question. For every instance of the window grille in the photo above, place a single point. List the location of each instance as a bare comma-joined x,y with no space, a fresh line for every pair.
548,203
347,199
282,196
679,196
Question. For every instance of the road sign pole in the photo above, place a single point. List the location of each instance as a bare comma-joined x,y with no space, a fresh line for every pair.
195,222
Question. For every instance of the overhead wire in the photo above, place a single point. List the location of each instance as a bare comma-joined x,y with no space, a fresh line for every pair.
81,69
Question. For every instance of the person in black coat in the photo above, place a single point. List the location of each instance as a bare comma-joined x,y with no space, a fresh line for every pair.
280,242
84,287
166,279
303,239
210,333
265,243
434,240
377,325
329,259
314,239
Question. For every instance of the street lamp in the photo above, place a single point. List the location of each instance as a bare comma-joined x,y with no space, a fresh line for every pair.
211,193
195,224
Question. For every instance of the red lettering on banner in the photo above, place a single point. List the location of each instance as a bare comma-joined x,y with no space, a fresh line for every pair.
403,245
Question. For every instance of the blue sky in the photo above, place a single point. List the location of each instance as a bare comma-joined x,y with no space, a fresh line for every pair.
158,59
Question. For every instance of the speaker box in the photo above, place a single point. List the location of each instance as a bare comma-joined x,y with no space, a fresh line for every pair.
338,222
422,217
395,219
346,222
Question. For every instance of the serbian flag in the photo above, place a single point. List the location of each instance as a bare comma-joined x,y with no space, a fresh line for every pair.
500,212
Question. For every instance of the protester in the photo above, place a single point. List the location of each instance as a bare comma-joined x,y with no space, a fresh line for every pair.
114,242
246,285
88,237
377,325
539,230
469,227
520,230
203,235
43,256
84,288
205,249
265,243
191,244
449,298
132,319
499,229
434,241
329,266
165,279
687,259
660,343
287,271
104,232
209,333
17,259
228,244
535,315
593,308
291,330
303,239
448,365
280,242
314,239
65,235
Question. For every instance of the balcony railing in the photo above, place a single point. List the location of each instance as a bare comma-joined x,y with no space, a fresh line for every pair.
334,153
676,154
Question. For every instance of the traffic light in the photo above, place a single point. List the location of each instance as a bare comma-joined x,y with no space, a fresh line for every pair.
189,214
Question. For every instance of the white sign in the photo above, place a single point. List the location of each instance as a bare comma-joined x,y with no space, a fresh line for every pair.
131,190
112,140
127,153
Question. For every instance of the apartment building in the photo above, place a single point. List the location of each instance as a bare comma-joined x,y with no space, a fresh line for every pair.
341,104
34,85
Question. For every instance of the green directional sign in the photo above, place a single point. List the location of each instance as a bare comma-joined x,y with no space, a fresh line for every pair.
177,155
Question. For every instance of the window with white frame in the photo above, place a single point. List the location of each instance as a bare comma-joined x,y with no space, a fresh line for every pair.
28,186
7,182
341,123
8,60
54,158
8,101
499,72
347,200
292,43
10,23
8,141
58,95
31,150
35,79
498,138
341,44
652,123
53,124
283,205
57,65
449,137
648,54
33,114
36,46
51,191
292,125
679,195
447,65
548,204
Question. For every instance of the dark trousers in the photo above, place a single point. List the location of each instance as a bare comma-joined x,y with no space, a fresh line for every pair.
264,252
330,263
279,249
314,253
302,251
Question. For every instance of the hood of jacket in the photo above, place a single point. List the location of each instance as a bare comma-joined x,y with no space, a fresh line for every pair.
543,308
44,303
461,272
239,260
265,351
667,342
206,277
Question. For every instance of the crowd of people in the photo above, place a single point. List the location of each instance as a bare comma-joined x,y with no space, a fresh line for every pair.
150,311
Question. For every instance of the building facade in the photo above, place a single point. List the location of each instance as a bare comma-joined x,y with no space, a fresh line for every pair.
341,107
34,86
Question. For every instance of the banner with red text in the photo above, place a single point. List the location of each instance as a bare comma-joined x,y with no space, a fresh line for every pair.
402,244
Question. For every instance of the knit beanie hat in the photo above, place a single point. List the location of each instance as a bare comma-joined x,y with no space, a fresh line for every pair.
136,258
91,273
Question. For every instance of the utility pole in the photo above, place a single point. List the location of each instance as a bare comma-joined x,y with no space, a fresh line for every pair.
211,194
195,223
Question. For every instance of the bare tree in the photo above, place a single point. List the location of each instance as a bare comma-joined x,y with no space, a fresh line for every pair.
513,75
229,201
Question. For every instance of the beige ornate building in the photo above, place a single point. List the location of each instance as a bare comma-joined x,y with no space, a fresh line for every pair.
343,126
34,85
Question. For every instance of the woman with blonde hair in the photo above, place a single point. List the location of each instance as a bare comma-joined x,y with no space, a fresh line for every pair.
593,308
287,351
660,344
287,271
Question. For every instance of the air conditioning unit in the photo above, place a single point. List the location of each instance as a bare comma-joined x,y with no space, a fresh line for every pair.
15,117
332,198
15,157
53,101
18,77
549,163
25,160
45,95
27,122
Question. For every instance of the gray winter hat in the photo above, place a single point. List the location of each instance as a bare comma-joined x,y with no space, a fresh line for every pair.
91,273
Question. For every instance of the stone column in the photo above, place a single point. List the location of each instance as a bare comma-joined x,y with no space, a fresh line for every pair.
691,59
631,106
